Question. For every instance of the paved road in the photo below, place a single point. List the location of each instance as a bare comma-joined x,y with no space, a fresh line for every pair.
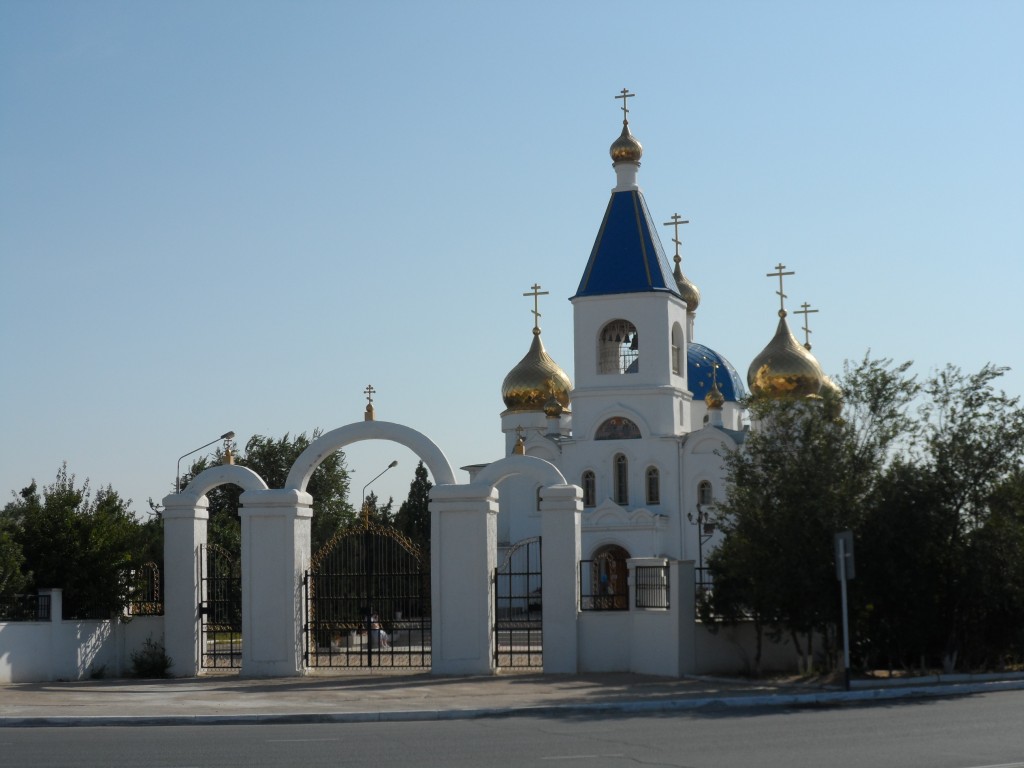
982,731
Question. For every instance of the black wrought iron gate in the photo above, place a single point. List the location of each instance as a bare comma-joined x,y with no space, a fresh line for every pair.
220,609
518,603
367,596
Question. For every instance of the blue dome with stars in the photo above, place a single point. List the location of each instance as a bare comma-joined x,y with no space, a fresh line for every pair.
700,362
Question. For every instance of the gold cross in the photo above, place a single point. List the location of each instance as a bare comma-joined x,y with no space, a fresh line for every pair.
625,108
370,391
805,311
536,292
782,296
676,222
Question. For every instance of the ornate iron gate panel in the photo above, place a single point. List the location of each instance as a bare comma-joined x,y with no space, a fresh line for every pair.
220,609
367,596
518,626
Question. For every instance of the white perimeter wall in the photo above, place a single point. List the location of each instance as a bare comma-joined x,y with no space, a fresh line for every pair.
44,651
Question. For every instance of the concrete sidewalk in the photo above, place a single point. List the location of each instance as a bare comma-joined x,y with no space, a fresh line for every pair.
383,696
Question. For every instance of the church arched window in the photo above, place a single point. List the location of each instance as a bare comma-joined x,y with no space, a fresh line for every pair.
677,349
704,493
618,349
621,475
653,486
589,488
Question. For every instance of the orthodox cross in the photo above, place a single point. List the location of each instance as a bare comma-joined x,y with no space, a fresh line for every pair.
625,104
782,296
536,292
806,310
370,391
676,222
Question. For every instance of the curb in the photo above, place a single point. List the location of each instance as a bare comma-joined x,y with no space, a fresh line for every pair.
753,701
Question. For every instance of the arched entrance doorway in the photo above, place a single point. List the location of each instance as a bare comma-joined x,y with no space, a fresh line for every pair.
367,592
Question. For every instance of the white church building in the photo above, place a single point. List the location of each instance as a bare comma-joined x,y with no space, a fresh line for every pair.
578,550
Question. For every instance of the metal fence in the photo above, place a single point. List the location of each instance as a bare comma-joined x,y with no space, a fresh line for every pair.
145,597
651,586
25,608
600,587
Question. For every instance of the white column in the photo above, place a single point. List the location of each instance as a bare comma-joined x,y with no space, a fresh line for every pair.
561,507
275,555
463,554
184,534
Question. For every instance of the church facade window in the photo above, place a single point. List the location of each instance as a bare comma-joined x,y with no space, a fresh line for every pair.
677,350
618,348
617,428
620,473
589,489
704,493
653,486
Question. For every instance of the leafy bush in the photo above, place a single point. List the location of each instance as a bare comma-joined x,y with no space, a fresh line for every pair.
151,661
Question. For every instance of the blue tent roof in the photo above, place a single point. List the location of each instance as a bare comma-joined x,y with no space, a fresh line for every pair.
699,361
627,256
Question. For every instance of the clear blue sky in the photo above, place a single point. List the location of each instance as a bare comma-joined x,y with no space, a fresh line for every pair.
236,215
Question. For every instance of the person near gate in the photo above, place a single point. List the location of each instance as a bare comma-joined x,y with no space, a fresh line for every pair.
378,635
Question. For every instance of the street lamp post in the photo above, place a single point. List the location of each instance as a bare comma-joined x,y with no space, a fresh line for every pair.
705,530
177,478
366,507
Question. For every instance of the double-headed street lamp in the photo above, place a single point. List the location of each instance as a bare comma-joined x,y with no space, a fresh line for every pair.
366,507
177,478
705,530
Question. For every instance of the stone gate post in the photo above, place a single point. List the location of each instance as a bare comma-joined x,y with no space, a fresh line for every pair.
463,555
185,525
275,554
560,509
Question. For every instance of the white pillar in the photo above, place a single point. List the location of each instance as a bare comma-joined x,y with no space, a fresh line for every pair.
561,507
275,555
463,555
184,535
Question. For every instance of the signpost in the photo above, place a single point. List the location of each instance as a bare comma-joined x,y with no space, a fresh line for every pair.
845,570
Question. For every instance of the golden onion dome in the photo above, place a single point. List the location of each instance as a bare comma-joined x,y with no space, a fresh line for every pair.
689,292
714,399
535,380
552,408
626,148
784,368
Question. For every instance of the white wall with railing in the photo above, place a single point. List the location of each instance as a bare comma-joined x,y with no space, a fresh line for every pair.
53,649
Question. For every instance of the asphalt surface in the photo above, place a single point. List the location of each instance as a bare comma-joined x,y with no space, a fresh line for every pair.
384,696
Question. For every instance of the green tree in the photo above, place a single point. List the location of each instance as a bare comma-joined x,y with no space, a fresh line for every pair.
85,545
12,576
973,444
934,496
272,460
801,475
375,512
413,518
